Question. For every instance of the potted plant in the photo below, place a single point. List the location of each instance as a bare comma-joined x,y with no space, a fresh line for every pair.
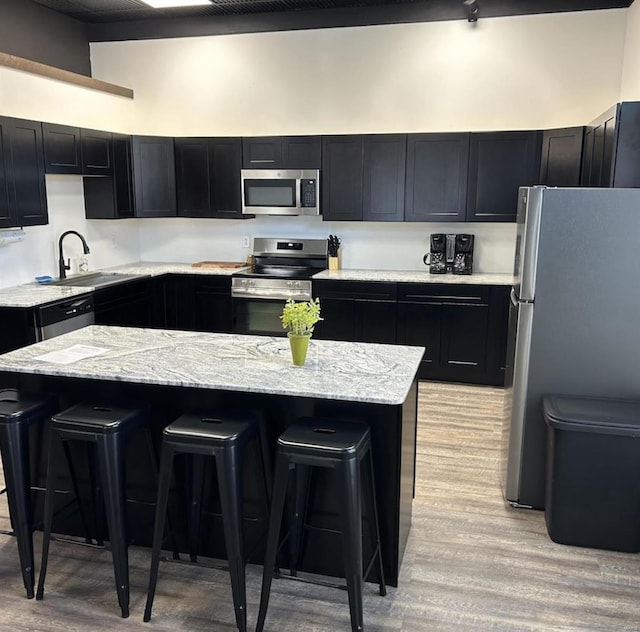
299,319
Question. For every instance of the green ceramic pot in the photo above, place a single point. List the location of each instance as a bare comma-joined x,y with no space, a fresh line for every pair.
299,344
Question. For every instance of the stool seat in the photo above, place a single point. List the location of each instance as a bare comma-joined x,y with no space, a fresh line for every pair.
104,418
210,428
104,425
321,436
18,412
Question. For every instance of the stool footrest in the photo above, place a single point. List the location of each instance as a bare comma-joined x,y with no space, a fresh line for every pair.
308,580
221,566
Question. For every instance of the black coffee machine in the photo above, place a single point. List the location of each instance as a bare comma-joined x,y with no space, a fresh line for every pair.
450,253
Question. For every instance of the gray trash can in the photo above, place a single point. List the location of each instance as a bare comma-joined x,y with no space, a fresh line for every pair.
593,472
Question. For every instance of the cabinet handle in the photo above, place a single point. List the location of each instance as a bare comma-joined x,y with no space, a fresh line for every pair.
252,161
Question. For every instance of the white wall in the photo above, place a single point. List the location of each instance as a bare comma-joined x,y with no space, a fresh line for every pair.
506,73
630,88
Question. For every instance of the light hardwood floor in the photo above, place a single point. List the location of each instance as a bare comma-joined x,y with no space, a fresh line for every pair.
471,563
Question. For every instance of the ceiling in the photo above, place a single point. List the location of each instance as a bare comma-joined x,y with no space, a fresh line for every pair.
133,19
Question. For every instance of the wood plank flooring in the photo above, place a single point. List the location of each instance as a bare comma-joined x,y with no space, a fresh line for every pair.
471,563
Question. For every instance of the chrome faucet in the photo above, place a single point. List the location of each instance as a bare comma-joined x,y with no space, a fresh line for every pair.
62,267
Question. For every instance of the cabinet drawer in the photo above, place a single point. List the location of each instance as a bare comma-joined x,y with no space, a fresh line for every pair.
443,293
356,290
213,285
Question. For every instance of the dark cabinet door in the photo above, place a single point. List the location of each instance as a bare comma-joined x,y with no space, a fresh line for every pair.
437,166
499,307
301,152
587,157
208,177
97,155
463,341
500,163
626,147
62,149
383,177
213,304
112,197
342,174
225,162
338,320
24,172
18,328
375,321
128,304
192,177
419,324
561,159
6,212
262,152
154,178
179,301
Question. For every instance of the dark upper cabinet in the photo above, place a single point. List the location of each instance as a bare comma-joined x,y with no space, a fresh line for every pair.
72,150
112,197
436,187
342,177
62,148
363,177
500,163
96,152
281,152
384,177
561,159
612,148
154,177
23,198
208,177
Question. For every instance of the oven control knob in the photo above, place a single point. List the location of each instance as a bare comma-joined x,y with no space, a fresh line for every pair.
252,282
297,284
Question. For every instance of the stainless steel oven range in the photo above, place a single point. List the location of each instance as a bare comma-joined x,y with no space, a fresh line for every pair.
282,269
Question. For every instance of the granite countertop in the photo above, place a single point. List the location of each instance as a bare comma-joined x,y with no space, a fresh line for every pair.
350,371
35,294
414,276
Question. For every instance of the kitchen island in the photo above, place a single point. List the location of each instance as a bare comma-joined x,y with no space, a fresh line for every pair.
175,371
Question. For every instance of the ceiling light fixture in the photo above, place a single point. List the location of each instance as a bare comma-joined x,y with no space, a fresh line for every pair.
472,10
170,4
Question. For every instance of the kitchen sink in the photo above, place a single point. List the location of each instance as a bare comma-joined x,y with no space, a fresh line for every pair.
96,279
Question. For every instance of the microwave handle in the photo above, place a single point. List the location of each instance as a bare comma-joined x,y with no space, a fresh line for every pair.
299,193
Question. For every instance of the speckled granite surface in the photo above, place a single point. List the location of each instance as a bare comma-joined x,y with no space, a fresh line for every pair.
34,294
414,276
350,371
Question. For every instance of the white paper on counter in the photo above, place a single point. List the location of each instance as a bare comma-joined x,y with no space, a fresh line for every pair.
71,354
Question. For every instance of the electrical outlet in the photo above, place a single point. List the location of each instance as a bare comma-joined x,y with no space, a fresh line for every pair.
245,242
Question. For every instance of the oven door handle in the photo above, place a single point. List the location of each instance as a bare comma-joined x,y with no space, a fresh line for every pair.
269,295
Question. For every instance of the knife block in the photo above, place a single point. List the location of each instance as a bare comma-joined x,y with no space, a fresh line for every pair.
334,263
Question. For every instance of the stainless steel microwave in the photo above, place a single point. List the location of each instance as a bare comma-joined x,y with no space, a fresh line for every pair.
281,192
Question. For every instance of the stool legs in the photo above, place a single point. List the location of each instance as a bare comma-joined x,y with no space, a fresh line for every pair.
111,465
196,472
374,529
164,482
351,515
275,519
14,443
303,481
229,470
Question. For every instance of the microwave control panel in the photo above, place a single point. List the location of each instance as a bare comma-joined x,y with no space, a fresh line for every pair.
308,193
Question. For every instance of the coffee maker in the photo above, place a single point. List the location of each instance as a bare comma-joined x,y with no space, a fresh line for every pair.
463,254
450,253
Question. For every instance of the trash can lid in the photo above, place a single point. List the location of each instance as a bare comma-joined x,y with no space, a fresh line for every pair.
595,415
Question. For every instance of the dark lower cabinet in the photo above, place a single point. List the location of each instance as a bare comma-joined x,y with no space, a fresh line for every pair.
462,328
23,198
213,304
18,328
127,304
179,290
356,311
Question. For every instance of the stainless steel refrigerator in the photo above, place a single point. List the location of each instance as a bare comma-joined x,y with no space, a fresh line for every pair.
574,325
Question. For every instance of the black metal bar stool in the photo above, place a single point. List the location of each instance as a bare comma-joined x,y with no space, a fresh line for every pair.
341,446
18,412
223,435
106,426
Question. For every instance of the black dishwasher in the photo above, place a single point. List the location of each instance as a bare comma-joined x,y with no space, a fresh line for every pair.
54,319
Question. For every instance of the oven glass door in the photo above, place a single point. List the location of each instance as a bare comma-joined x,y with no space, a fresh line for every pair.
258,316
277,193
